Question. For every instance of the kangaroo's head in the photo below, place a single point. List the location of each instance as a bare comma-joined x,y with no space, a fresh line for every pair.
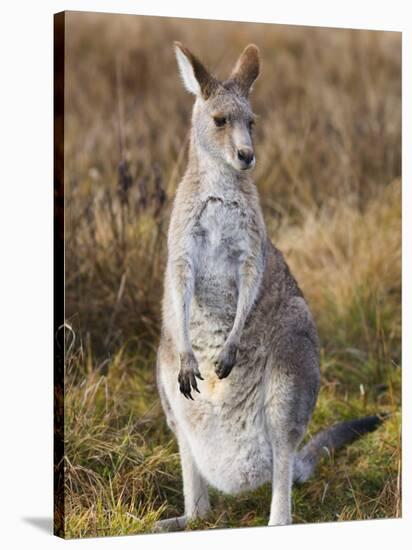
222,116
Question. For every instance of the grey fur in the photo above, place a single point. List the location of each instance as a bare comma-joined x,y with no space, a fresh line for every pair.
236,327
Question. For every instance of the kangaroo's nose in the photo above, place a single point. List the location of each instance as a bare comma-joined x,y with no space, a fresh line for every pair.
246,155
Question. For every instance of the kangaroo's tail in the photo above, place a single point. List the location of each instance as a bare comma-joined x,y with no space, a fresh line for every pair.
330,439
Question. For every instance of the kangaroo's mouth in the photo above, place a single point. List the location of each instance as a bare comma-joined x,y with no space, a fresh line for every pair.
243,166
240,165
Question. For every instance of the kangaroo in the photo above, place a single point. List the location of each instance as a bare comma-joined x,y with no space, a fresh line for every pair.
238,359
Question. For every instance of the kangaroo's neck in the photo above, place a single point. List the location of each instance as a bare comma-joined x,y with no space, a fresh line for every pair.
215,177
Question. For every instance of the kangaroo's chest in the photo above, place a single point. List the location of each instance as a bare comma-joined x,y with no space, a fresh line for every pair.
221,241
221,236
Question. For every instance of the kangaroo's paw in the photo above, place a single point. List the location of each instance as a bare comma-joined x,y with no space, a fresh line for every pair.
171,524
189,371
226,360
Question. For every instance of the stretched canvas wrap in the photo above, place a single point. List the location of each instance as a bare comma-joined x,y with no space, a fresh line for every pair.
227,274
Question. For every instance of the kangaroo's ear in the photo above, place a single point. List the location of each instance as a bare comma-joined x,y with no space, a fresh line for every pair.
196,78
246,69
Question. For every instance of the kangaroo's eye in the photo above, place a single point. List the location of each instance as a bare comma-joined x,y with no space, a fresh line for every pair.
219,121
251,124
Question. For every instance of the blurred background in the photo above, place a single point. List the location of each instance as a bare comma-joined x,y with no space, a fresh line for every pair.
328,147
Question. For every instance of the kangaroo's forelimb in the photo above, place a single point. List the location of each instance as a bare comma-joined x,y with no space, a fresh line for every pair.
250,275
183,270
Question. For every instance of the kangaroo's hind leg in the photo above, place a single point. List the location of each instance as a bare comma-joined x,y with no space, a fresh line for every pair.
292,386
284,438
288,416
194,485
195,491
280,507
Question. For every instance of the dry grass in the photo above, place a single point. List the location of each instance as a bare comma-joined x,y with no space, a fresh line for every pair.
328,172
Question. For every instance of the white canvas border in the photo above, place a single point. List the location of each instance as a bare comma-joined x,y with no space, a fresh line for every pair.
26,204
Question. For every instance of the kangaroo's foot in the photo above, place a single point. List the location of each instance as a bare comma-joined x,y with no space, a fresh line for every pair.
226,360
172,524
282,520
189,371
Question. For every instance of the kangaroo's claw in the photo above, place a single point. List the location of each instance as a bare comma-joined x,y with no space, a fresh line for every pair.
189,371
226,361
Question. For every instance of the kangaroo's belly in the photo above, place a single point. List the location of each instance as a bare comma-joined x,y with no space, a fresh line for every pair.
230,445
225,425
232,458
